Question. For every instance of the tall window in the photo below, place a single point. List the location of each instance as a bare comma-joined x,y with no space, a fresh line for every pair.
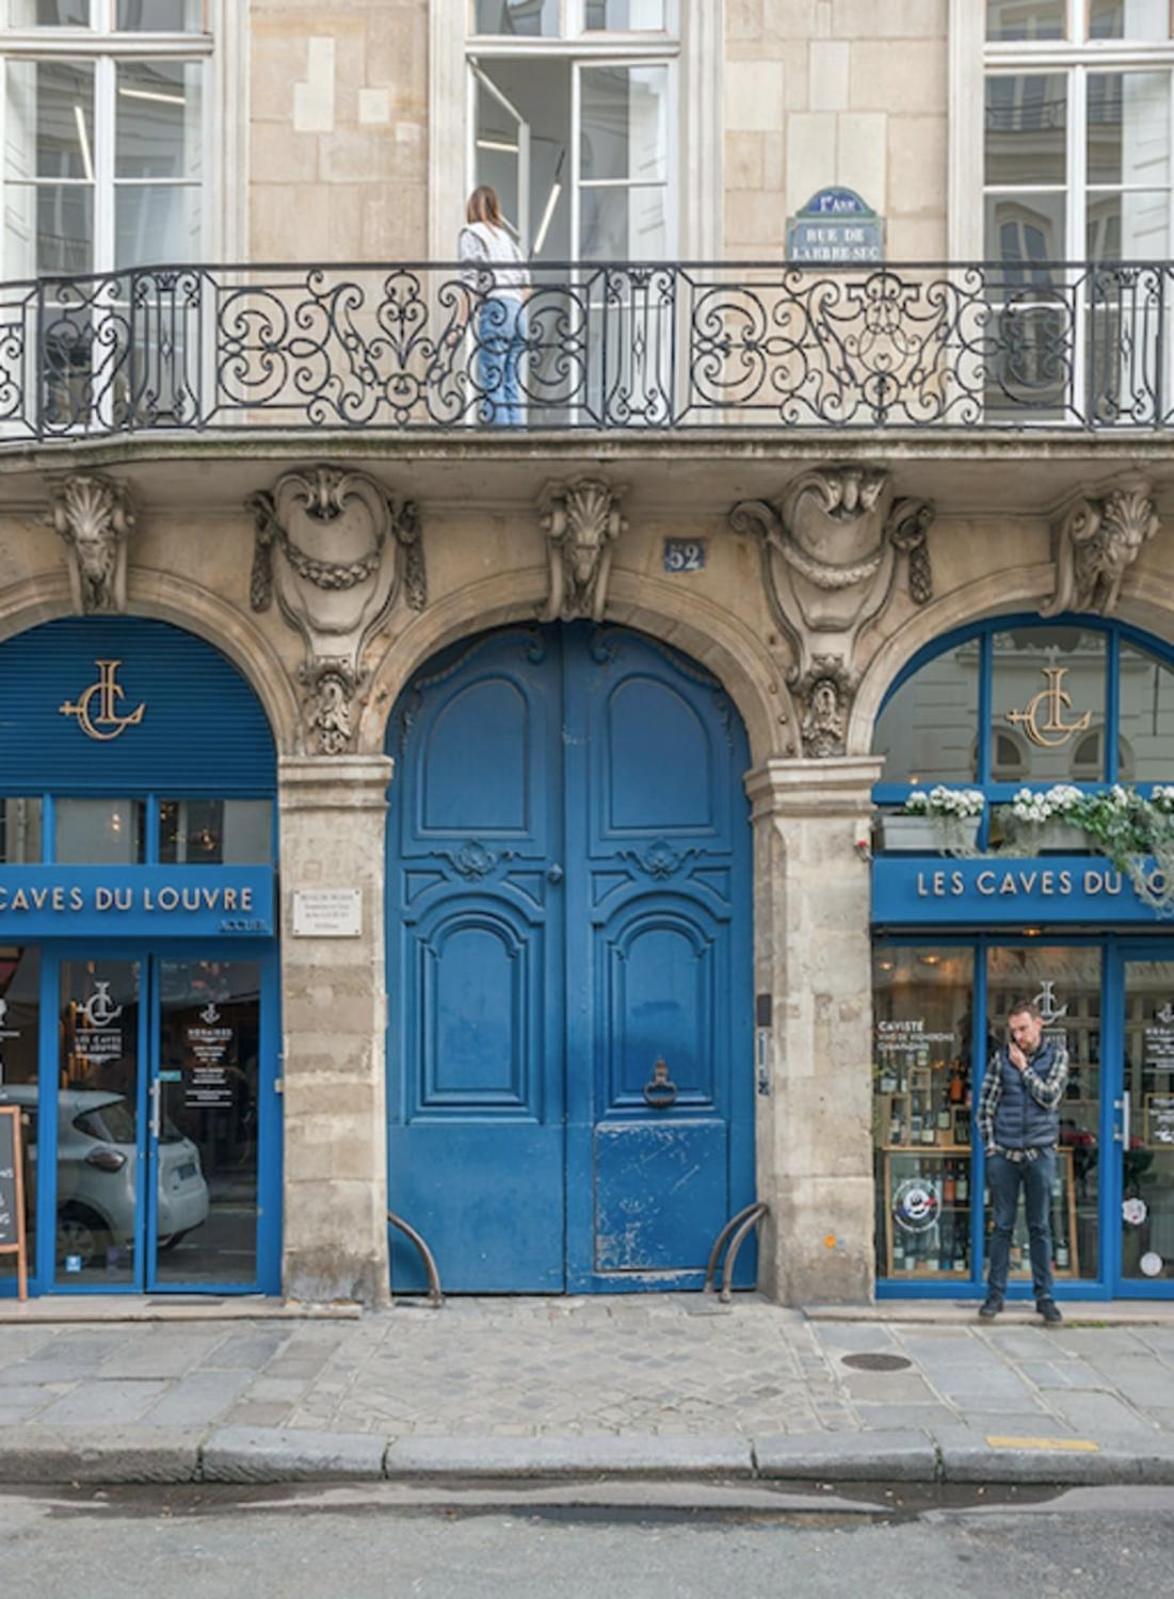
573,121
1077,131
105,134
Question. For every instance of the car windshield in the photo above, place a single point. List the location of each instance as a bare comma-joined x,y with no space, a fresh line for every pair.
114,1122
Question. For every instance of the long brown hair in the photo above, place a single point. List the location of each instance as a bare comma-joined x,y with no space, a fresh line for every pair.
484,206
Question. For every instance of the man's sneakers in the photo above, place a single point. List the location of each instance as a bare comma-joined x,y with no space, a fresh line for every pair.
1050,1311
990,1309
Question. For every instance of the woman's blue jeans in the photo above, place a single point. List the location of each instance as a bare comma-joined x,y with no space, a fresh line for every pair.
1005,1178
501,344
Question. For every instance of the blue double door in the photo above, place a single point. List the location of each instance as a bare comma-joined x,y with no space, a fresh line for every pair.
569,965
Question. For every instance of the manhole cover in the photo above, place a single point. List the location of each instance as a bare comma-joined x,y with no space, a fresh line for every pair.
876,1362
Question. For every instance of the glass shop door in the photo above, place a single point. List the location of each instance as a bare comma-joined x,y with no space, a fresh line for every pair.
1143,1124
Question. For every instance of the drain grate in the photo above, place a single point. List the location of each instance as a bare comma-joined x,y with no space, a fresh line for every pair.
876,1362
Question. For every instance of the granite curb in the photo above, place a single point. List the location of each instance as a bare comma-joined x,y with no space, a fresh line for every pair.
34,1455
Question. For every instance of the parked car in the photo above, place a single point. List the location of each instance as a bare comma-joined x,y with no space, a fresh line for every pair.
97,1165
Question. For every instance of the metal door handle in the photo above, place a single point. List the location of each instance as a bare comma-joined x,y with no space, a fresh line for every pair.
1121,1134
156,1124
554,874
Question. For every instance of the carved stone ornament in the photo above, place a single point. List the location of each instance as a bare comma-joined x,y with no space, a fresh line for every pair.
834,547
825,693
1094,543
582,520
95,518
336,551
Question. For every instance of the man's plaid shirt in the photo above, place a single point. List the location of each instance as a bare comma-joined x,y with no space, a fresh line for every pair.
1046,1091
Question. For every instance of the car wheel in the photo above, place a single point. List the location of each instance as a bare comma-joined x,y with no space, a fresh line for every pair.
82,1233
175,1238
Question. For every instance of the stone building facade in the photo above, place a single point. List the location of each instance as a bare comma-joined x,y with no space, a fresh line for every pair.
903,465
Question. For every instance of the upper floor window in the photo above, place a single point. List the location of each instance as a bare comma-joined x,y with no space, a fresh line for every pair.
1030,702
105,134
574,124
1077,131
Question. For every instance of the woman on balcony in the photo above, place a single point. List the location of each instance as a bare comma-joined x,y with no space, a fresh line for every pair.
499,285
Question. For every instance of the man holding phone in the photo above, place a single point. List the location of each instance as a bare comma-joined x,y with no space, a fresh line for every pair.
1019,1123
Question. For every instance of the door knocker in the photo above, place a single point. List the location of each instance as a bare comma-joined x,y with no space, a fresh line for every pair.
660,1092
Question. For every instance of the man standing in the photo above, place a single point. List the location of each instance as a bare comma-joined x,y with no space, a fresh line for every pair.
1019,1123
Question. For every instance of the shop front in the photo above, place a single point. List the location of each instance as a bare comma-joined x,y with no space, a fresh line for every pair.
1041,902
138,960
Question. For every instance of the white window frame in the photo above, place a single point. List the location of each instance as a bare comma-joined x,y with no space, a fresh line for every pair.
223,50
572,27
972,58
695,44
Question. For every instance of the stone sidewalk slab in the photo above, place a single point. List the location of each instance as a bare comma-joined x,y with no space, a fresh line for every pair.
59,1455
874,1457
266,1455
579,1457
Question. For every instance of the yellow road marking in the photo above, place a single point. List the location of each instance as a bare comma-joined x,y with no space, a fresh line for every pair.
1080,1445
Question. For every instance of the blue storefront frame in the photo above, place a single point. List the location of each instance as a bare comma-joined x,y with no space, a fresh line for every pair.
43,1278
933,900
127,708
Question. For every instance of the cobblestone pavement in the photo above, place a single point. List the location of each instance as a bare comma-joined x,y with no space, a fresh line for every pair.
647,1366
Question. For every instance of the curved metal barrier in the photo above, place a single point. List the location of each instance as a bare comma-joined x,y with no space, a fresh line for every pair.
434,1291
735,1231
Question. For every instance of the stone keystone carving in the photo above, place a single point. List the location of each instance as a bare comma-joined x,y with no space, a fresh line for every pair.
582,520
336,551
1094,543
95,518
834,547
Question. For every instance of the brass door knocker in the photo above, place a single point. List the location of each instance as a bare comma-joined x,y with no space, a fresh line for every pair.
660,1092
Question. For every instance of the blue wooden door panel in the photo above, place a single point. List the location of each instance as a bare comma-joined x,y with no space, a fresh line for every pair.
475,946
569,902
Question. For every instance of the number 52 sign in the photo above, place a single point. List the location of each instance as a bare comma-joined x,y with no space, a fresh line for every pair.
684,555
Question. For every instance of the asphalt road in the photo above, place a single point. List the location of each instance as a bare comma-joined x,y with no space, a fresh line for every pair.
677,1540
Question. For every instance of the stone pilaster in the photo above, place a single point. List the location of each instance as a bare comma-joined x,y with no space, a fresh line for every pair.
333,815
812,955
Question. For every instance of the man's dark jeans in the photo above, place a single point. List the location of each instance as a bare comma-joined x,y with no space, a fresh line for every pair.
1036,1177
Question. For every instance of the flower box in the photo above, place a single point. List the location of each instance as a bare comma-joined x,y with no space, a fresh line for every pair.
1054,837
927,835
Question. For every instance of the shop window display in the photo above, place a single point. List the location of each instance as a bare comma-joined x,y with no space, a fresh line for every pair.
923,1008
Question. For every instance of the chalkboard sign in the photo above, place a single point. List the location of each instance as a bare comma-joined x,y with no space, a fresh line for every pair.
12,1238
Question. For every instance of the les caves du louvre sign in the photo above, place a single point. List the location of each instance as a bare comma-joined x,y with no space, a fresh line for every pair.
125,900
1010,891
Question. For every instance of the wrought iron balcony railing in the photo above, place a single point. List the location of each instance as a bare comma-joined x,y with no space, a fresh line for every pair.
619,346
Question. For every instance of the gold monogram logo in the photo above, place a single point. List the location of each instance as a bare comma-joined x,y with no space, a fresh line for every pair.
1053,731
107,723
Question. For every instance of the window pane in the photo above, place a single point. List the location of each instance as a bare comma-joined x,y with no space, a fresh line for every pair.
1129,19
1146,687
20,832
99,831
50,125
1129,227
524,19
1026,231
1026,122
20,985
921,1076
1129,128
48,13
623,224
1066,984
48,229
1026,19
624,123
628,16
1049,688
157,132
928,731
212,832
160,16
156,222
